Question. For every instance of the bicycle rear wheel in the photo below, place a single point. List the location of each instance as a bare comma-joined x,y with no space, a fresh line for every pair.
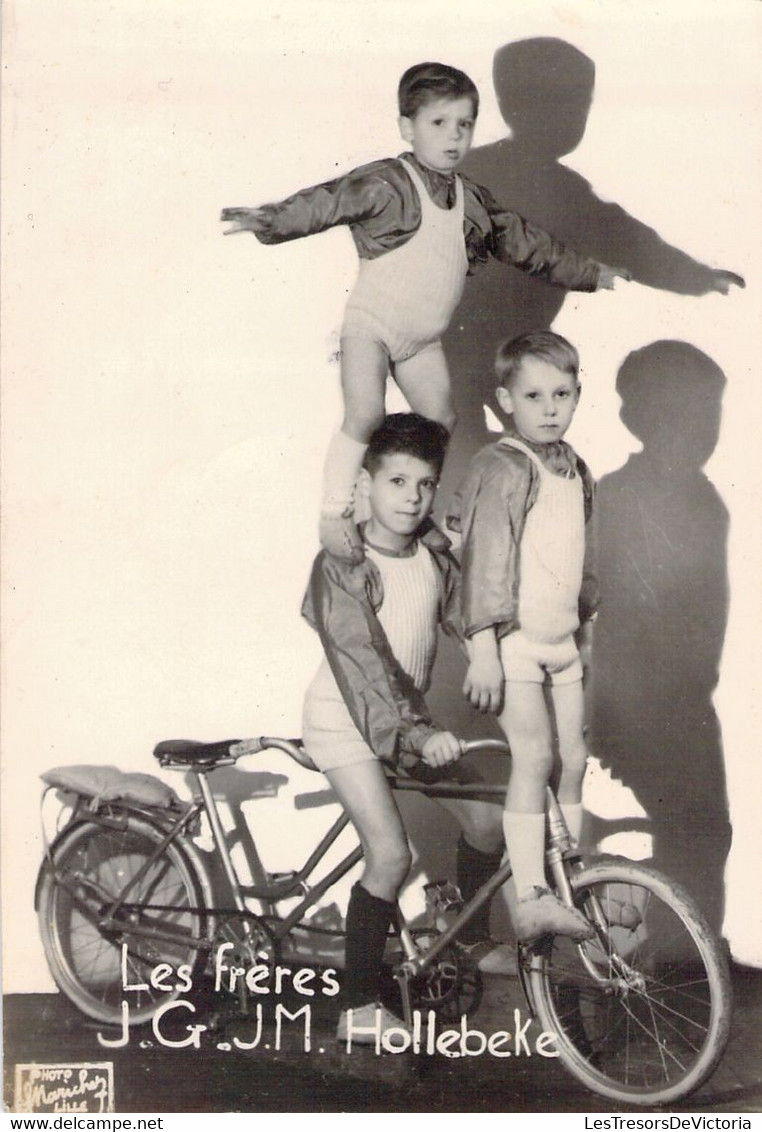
91,865
641,1013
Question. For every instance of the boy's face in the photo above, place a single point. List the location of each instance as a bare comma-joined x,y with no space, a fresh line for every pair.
542,400
401,494
441,132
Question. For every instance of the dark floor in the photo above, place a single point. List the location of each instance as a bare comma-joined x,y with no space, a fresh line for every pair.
218,1077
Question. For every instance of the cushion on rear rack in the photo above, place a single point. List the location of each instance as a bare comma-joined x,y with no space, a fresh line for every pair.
109,784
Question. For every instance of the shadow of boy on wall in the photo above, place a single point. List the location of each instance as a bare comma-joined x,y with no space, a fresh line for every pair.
544,88
658,639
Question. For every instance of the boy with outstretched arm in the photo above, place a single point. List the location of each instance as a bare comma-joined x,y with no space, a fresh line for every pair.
420,228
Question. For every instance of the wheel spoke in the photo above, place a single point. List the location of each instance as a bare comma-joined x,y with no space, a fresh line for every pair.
641,1012
656,1004
654,1033
86,963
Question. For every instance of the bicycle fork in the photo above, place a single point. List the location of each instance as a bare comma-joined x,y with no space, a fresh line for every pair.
621,974
559,857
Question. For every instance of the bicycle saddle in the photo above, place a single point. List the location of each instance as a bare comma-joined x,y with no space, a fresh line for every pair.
190,752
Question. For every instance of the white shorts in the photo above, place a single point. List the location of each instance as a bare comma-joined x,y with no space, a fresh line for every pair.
328,731
396,344
535,662
332,741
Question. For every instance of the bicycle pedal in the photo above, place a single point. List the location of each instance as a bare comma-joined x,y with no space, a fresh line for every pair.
288,882
442,896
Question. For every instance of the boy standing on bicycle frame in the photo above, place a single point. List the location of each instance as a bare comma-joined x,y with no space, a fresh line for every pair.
527,586
378,625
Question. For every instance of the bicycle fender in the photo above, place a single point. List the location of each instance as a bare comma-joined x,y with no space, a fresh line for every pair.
118,818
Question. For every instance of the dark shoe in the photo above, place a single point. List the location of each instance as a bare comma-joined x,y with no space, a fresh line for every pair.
543,912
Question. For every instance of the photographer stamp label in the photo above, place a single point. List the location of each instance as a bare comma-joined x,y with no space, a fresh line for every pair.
79,1087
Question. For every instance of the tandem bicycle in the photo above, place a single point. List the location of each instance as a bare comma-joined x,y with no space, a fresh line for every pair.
640,1012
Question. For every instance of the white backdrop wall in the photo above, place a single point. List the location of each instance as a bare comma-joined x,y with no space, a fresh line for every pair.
168,394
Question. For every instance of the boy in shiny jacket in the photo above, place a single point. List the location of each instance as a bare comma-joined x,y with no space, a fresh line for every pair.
378,624
420,229
527,590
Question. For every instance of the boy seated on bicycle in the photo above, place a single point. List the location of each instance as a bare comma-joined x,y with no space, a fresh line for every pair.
523,513
378,625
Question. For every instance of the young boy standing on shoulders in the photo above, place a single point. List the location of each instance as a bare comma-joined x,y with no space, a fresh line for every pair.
378,624
420,229
527,587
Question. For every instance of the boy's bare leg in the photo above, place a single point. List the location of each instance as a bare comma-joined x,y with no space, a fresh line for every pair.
425,381
364,370
568,707
364,367
527,727
364,793
480,822
526,724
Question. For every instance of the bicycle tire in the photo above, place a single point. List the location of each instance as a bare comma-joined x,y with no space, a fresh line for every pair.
90,864
649,1026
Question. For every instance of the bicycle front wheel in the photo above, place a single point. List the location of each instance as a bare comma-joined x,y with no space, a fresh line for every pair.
641,1013
160,921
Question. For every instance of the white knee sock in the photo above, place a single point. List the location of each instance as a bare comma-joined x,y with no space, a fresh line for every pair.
525,842
343,462
573,815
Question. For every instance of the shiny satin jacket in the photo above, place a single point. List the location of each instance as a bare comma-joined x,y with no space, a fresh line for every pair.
490,511
380,205
341,603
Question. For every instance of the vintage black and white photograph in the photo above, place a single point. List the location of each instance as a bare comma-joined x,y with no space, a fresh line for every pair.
381,550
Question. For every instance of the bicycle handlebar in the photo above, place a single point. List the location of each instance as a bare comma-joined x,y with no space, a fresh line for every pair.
490,746
296,751
291,747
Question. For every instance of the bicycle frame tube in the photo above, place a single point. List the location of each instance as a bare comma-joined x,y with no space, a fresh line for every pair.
218,834
278,891
476,791
280,927
285,888
175,832
422,962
